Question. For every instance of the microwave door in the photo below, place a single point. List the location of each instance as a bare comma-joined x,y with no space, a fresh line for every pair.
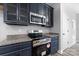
35,19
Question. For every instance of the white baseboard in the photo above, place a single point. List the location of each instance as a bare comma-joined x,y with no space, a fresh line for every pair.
60,51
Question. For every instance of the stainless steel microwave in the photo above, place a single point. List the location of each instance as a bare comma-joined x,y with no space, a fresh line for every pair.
37,19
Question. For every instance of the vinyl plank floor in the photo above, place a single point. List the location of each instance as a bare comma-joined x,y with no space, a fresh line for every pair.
73,51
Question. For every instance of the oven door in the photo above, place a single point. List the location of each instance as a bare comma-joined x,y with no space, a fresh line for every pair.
42,50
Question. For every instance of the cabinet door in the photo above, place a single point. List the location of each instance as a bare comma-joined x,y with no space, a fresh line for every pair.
48,12
25,48
50,17
23,13
8,48
25,52
37,8
34,7
54,42
54,45
10,13
41,10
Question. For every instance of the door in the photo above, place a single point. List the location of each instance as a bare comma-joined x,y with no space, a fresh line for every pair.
71,32
74,30
68,33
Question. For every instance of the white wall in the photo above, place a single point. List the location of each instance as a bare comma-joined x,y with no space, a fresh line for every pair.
68,31
56,17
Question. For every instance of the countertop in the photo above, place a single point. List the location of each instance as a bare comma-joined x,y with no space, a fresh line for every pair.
51,34
11,39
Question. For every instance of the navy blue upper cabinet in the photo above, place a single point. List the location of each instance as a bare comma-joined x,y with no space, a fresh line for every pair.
44,10
19,13
15,13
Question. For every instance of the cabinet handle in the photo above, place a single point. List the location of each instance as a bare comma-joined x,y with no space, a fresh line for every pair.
17,12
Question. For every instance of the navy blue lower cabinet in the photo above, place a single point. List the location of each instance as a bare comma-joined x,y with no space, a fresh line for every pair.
17,49
8,48
25,52
54,44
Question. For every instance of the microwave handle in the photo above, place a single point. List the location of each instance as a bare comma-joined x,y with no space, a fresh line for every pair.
44,21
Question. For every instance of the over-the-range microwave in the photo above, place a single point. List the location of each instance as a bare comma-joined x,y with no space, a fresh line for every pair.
37,19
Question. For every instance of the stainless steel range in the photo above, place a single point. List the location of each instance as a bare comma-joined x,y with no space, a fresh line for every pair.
40,44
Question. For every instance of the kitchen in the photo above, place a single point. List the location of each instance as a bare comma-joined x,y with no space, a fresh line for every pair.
16,31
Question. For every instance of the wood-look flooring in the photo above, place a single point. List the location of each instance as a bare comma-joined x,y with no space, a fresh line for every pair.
73,51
